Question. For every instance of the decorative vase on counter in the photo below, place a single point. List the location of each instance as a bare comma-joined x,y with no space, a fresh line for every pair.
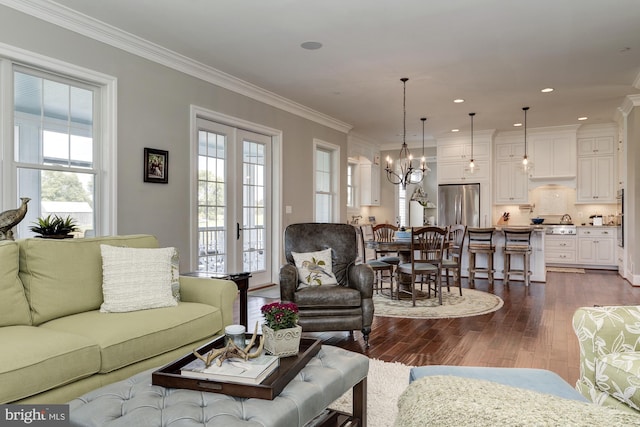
283,342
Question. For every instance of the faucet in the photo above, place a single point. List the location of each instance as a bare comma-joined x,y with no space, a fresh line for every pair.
566,219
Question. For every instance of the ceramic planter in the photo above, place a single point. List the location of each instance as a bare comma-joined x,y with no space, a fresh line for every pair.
283,342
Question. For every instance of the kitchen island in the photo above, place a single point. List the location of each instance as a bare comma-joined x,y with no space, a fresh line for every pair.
538,270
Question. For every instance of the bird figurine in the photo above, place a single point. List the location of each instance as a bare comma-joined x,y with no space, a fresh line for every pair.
11,218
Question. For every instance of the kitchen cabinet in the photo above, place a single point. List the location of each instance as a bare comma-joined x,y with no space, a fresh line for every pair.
560,249
596,180
369,184
459,172
510,151
596,146
511,182
596,170
553,157
461,151
596,246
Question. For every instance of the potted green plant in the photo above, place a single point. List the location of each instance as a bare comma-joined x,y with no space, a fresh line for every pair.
54,227
281,330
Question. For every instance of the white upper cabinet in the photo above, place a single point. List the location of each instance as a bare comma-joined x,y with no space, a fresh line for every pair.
553,156
596,169
369,184
461,151
596,146
596,180
511,182
510,151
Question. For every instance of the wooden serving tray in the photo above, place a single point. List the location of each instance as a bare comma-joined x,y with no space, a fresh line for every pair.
169,375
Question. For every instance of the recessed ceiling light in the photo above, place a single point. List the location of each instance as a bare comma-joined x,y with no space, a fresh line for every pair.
583,118
458,101
517,124
455,130
547,90
311,45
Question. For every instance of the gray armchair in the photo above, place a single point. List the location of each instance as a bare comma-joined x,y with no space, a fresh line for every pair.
343,307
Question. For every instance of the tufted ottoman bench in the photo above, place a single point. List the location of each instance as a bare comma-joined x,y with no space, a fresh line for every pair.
136,402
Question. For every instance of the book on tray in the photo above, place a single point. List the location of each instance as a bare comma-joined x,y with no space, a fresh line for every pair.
252,371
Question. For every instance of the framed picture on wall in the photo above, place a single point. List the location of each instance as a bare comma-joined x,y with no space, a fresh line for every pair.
156,166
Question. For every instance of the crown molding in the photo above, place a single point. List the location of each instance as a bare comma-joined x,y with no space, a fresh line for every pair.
629,102
62,16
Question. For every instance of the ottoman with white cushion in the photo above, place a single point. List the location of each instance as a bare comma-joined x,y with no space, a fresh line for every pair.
136,402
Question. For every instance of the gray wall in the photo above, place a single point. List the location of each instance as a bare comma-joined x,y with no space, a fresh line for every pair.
153,111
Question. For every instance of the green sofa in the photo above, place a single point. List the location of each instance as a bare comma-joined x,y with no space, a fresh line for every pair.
57,345
609,339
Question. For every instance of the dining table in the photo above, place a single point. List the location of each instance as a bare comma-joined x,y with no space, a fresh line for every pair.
403,248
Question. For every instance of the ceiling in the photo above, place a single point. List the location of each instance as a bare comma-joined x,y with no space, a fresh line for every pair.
495,54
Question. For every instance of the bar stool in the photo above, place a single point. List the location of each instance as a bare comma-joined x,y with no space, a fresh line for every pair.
481,242
517,241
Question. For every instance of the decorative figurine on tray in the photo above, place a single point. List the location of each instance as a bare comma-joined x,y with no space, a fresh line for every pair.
231,350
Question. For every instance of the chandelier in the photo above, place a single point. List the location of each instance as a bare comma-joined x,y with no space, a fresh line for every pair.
406,174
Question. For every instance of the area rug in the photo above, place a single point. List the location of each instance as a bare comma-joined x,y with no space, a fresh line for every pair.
471,303
385,383
565,270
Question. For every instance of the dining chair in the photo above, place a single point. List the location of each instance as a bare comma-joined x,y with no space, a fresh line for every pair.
386,233
453,259
427,249
365,233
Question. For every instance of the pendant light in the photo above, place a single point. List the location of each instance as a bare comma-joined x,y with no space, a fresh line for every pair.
525,159
472,164
406,174
423,161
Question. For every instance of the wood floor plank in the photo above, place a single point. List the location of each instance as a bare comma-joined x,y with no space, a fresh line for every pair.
532,330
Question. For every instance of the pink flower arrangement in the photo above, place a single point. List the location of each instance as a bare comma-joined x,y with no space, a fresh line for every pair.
279,315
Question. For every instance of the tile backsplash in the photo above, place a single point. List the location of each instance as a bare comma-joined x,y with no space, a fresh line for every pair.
550,201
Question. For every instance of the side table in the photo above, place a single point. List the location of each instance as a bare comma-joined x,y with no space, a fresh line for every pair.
242,282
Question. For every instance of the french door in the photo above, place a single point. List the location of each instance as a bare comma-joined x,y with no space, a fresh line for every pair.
234,203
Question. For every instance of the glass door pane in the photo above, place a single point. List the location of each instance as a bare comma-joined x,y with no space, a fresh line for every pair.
256,253
212,248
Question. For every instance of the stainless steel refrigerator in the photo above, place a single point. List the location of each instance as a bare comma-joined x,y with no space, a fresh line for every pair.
459,204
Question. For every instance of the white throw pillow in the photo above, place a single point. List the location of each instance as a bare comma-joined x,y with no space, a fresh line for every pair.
136,278
315,268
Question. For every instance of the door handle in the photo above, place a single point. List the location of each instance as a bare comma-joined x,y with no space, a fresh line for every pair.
238,229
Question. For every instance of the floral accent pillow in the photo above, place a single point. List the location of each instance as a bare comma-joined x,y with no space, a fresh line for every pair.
314,268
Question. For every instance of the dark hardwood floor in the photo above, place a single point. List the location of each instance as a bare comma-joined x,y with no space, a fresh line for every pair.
532,330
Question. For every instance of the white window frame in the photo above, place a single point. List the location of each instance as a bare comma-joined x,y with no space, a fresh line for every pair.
335,175
353,173
106,133
402,206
